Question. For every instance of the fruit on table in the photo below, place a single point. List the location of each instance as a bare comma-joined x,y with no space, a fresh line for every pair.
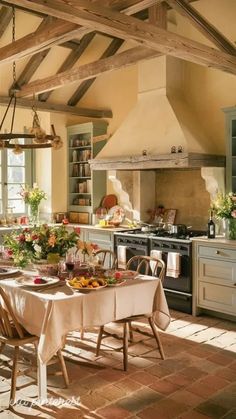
82,282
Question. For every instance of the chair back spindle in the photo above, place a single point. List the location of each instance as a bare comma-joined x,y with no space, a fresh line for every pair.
9,326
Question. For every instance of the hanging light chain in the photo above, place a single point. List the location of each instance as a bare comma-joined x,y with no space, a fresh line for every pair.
13,40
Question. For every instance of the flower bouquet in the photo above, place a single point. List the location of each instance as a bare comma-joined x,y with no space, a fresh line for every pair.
224,207
33,197
86,249
41,243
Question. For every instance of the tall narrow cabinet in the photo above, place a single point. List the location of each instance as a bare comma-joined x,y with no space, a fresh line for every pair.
85,189
230,121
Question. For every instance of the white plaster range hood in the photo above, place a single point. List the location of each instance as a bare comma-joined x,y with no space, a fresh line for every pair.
160,119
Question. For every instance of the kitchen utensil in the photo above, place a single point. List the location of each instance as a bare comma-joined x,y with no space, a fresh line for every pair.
178,229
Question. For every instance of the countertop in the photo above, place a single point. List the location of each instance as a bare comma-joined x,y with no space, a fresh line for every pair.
218,240
87,226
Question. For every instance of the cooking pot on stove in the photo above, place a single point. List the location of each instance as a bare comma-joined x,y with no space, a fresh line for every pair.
147,228
178,229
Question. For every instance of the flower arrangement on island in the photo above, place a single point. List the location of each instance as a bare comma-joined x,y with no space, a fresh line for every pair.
41,242
224,206
32,197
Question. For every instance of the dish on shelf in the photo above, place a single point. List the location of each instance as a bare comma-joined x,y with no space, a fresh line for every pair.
117,213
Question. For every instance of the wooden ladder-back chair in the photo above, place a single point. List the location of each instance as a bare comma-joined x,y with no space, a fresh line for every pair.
13,334
146,265
107,258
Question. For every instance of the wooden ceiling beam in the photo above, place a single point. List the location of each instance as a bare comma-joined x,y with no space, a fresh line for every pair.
126,27
203,25
88,71
5,18
58,32
35,60
57,108
85,85
71,60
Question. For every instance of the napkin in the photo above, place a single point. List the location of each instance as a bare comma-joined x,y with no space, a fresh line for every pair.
155,254
121,257
173,265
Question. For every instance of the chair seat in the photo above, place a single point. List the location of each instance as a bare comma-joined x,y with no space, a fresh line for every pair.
133,318
19,341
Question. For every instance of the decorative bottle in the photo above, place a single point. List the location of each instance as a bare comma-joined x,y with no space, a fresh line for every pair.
211,228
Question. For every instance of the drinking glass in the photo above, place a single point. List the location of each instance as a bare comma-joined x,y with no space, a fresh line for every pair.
70,263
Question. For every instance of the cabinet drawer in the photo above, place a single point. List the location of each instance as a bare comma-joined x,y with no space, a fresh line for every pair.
218,253
217,297
99,236
217,271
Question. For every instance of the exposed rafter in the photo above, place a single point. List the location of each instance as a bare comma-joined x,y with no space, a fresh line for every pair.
203,25
71,60
5,18
57,108
127,27
85,85
88,71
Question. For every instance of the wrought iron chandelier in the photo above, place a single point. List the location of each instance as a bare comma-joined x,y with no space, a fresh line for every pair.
37,136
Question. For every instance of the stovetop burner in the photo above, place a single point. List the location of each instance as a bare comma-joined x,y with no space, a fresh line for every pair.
166,234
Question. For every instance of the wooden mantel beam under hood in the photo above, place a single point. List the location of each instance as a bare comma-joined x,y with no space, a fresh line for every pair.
161,161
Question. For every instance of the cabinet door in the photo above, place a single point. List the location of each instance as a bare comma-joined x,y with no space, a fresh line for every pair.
217,271
217,297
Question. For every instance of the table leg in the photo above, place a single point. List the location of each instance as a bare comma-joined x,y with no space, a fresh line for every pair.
42,381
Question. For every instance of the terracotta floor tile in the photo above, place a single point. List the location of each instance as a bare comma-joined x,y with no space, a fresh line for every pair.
193,372
163,409
221,359
139,400
128,385
213,410
164,387
227,373
193,415
186,397
113,412
143,377
180,379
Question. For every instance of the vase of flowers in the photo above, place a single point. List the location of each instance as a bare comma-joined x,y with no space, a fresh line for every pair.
224,207
32,197
40,244
86,250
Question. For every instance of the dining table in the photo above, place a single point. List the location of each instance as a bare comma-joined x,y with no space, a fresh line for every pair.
52,312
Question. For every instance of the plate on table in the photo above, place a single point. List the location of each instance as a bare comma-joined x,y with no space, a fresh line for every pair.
113,282
82,284
128,274
30,281
8,271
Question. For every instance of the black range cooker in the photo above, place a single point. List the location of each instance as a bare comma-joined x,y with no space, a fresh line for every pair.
178,291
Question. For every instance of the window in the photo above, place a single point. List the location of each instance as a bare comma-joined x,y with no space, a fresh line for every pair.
15,170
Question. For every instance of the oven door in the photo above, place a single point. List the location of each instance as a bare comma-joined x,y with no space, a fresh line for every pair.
134,246
184,282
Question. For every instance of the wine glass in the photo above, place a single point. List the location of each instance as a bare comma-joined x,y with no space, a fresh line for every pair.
70,263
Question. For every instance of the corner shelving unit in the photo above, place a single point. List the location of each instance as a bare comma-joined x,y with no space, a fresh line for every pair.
85,189
230,121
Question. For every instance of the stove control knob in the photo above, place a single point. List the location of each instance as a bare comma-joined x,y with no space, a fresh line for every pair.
217,252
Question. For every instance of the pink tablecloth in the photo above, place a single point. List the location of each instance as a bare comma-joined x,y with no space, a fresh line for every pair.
52,314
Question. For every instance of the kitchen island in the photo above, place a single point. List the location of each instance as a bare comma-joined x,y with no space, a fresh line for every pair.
214,277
